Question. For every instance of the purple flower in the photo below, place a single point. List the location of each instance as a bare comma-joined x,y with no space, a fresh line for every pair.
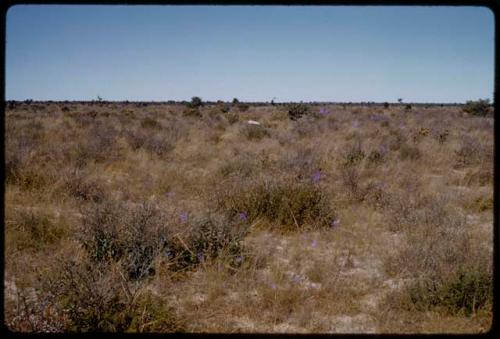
169,194
243,216
316,176
296,279
323,111
314,243
200,256
273,286
184,217
335,223
383,149
239,259
355,124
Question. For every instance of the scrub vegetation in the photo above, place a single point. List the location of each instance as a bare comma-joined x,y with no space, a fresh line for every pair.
170,217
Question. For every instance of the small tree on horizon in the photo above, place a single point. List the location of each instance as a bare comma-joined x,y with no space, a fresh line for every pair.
196,102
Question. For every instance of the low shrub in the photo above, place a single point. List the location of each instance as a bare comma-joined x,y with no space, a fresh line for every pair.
471,151
296,111
232,117
192,112
407,152
34,231
375,157
210,236
394,140
480,108
196,102
99,145
92,297
464,292
136,237
150,123
289,203
160,143
133,236
255,132
82,188
242,167
352,155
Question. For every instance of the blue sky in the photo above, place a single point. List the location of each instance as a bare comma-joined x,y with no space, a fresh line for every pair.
254,53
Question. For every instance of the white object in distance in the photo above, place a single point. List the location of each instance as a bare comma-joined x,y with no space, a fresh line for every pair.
253,122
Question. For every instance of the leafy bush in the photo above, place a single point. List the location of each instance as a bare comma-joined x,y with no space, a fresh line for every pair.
296,111
465,291
196,102
478,108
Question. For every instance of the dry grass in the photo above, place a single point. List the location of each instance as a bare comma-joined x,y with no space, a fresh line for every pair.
161,218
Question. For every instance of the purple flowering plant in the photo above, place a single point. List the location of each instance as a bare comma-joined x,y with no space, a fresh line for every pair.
316,177
184,217
335,223
243,216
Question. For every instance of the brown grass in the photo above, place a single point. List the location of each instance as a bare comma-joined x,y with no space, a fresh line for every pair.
160,218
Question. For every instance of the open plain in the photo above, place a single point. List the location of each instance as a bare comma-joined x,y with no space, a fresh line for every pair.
154,217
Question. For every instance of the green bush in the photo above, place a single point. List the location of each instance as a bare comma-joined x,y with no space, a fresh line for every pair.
196,102
296,111
465,291
290,204
478,108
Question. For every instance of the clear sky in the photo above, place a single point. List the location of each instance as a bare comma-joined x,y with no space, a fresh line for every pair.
254,53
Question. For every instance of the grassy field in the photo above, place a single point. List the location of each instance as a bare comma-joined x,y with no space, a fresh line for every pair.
159,218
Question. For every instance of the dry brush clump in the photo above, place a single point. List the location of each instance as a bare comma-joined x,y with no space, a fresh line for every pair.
286,203
445,269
